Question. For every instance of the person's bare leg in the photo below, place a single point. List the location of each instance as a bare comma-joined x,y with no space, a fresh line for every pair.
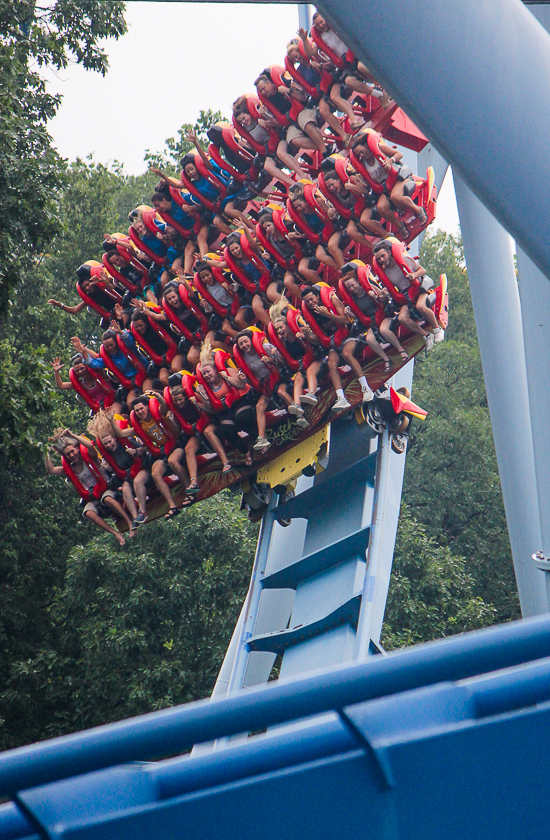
406,321
390,336
236,215
335,251
191,448
261,406
371,224
283,393
216,444
349,357
175,463
259,311
221,225
272,293
403,201
288,160
323,257
193,357
291,285
117,508
384,208
332,120
311,374
189,257
309,274
177,363
100,523
129,501
157,471
315,135
333,371
344,106
139,488
202,240
298,387
425,311
273,170
376,346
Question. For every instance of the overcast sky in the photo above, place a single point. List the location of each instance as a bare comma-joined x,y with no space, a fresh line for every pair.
175,59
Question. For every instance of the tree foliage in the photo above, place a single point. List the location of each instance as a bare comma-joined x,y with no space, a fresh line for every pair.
33,36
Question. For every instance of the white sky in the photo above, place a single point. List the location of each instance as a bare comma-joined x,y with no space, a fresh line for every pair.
175,59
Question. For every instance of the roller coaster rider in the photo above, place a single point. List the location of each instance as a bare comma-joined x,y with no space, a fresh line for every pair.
80,464
330,321
417,307
376,305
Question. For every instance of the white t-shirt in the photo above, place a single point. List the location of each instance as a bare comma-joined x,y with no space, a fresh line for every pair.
396,276
335,43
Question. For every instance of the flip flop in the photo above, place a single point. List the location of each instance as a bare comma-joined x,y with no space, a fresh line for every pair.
227,468
193,488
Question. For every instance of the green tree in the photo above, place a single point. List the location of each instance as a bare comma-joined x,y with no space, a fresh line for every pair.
135,629
30,169
431,593
176,148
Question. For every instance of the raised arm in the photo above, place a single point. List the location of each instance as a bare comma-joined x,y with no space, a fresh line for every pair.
192,138
172,182
50,468
59,384
72,310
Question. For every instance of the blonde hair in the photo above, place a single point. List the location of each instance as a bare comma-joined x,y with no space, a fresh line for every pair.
60,440
100,424
278,310
207,353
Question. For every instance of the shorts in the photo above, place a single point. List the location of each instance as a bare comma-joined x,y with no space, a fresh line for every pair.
96,505
294,134
308,115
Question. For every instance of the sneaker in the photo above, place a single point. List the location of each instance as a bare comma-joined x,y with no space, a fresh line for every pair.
368,395
439,335
261,444
139,520
309,399
302,423
429,341
296,409
341,404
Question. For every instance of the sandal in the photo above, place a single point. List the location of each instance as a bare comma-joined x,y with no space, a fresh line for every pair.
404,355
174,511
193,488
248,461
388,366
227,467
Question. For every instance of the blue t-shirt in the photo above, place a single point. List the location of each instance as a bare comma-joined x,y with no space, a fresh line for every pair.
206,188
180,216
119,360
314,222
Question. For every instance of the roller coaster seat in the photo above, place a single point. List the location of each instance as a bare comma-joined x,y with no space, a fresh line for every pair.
338,164
398,252
276,75
223,362
365,278
126,383
295,323
107,454
309,190
237,161
266,386
94,403
101,482
204,291
219,183
152,222
188,381
338,61
98,297
194,338
327,293
162,422
143,342
238,270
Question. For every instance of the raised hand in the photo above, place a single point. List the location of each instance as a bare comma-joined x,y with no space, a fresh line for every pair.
57,364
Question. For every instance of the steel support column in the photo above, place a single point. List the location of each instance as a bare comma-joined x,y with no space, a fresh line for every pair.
497,313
